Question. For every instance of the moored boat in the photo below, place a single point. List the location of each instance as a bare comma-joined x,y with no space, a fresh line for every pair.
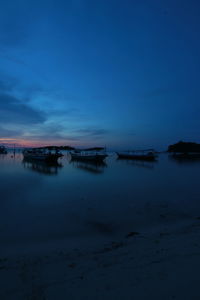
42,154
3,150
84,155
138,154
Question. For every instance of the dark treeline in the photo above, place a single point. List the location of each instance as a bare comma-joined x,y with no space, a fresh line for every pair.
184,147
71,148
58,147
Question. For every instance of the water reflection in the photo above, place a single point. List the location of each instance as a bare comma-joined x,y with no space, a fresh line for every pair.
185,159
138,163
3,156
37,205
41,166
89,166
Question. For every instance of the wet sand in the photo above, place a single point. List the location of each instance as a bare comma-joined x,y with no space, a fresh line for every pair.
161,262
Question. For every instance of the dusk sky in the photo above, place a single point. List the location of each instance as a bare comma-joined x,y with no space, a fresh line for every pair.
124,74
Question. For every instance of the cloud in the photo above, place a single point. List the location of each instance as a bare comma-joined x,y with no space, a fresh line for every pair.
31,113
14,111
92,132
58,133
21,118
8,133
54,138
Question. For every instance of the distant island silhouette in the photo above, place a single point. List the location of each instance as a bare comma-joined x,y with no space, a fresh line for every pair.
70,148
57,148
184,147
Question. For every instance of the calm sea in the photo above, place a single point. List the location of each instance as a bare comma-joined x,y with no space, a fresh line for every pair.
75,201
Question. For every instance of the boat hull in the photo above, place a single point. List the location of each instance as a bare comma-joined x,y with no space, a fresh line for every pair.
3,150
50,158
92,158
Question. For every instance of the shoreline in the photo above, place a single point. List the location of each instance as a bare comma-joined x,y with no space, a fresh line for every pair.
152,263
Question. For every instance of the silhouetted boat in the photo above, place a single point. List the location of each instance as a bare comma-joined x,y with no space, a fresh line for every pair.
85,155
138,154
3,150
41,154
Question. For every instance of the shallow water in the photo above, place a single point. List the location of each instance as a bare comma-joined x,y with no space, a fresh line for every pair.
43,204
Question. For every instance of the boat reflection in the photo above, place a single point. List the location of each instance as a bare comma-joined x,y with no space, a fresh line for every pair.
138,163
42,166
89,166
3,157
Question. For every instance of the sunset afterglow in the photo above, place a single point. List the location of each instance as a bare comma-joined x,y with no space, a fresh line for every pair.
97,78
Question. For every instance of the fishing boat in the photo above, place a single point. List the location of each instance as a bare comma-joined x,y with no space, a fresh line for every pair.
88,155
138,154
3,150
42,154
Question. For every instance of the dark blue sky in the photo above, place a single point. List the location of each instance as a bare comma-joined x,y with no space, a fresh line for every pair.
119,73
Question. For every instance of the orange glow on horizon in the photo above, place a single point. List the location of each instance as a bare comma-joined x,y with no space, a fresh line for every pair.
27,143
23,143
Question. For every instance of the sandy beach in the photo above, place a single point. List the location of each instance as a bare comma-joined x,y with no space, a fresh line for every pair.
155,262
